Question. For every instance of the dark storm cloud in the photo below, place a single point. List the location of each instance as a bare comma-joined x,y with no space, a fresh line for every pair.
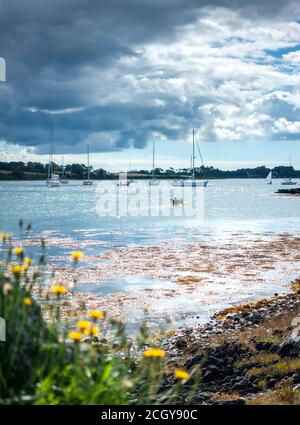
52,47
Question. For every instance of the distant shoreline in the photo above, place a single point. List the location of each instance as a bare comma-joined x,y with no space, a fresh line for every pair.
18,170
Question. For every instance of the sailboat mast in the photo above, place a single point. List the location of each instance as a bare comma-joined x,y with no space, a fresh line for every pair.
153,160
193,161
88,161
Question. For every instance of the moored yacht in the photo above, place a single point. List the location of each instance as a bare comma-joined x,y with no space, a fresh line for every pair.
191,182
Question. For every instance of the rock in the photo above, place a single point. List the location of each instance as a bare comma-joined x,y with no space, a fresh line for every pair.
181,343
243,384
211,373
255,317
290,346
266,346
194,361
296,378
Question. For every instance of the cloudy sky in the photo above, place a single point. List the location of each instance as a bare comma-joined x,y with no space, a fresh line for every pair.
118,74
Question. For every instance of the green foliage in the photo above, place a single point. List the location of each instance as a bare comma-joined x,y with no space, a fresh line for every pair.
58,362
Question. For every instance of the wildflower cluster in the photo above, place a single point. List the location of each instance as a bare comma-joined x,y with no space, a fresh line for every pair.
54,359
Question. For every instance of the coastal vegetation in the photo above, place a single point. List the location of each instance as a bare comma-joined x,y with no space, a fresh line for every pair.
247,354
18,170
85,361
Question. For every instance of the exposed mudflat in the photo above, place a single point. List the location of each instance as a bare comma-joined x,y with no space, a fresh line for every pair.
186,281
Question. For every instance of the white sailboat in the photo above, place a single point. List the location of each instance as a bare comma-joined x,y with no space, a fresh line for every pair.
269,178
192,182
52,179
88,182
154,181
288,180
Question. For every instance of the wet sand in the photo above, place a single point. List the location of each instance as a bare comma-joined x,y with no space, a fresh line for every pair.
187,282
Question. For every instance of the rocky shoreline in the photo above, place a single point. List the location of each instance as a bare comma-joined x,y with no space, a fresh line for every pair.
247,354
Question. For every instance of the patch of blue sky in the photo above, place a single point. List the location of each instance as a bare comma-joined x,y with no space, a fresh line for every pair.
279,53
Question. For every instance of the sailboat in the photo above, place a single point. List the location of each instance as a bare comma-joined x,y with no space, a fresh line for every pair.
269,178
63,179
288,180
192,182
88,182
52,179
154,181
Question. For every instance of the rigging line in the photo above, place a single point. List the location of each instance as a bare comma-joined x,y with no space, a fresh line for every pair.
199,149
197,142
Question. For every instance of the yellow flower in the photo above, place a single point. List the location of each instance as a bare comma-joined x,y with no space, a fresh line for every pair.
83,324
97,314
92,331
27,261
154,352
18,250
181,374
16,270
5,236
75,336
59,290
27,301
77,255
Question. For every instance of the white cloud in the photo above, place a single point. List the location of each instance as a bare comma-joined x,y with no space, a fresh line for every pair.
282,125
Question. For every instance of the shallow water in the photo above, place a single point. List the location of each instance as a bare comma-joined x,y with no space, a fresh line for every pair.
124,272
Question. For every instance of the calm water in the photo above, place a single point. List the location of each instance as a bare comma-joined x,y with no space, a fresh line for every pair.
231,208
71,210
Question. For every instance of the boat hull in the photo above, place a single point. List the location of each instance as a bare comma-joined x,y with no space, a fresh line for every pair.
154,182
87,183
53,184
190,183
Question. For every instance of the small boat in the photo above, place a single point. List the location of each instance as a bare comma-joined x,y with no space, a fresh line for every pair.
191,182
176,201
52,179
288,182
269,178
154,181
125,182
88,182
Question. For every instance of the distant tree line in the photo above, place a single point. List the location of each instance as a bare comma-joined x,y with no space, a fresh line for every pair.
17,170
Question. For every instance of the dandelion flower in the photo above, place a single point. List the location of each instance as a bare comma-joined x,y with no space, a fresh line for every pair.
27,301
27,261
83,324
18,250
59,290
92,331
5,236
181,374
16,270
154,352
97,314
75,336
77,255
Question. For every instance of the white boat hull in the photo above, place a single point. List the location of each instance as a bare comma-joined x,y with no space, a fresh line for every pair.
190,183
288,183
154,182
53,183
